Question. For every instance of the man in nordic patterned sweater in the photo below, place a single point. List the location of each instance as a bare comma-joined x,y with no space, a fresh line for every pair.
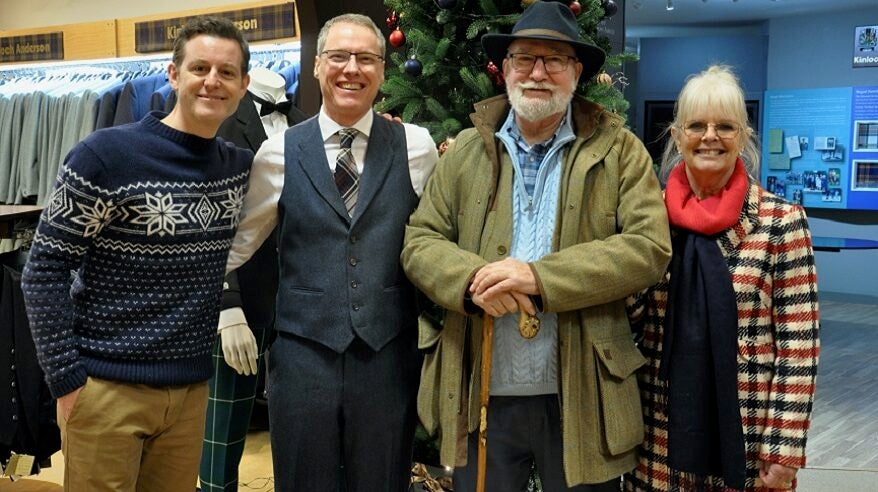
125,275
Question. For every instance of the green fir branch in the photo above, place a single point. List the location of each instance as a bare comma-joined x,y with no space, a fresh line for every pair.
412,108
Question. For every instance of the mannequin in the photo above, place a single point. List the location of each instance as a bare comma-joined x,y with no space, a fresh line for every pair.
267,85
238,341
246,320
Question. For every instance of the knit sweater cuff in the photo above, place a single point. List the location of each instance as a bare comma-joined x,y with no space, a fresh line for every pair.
69,383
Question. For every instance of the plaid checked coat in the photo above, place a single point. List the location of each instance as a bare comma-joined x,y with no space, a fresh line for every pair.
771,264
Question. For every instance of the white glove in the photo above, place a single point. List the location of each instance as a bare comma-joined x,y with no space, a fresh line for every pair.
239,348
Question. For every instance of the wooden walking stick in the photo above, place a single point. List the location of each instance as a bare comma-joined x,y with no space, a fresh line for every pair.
484,395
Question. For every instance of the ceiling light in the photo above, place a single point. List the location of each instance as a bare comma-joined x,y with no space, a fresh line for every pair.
670,5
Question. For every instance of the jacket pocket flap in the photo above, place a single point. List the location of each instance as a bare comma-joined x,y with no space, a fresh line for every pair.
619,355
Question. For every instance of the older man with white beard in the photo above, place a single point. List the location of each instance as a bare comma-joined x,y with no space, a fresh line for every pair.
549,210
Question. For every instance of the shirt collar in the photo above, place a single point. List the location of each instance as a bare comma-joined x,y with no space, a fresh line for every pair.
510,128
328,127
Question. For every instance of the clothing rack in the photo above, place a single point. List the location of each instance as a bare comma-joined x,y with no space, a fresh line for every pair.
76,77
46,108
262,53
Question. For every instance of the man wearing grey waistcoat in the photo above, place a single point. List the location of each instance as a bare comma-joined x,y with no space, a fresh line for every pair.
343,371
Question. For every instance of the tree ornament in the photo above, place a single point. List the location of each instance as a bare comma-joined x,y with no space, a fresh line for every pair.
413,67
610,8
604,78
392,20
495,73
444,16
446,4
576,8
397,38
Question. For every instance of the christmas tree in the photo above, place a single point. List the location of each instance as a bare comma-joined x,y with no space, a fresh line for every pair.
437,69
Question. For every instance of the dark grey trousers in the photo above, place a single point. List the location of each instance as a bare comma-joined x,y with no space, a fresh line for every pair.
522,431
355,410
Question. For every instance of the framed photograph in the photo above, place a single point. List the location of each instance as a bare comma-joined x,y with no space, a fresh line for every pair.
832,195
833,155
864,175
780,189
865,135
770,183
833,176
810,183
824,143
797,196
865,46
793,178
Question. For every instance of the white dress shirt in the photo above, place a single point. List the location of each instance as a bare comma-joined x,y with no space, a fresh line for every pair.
259,212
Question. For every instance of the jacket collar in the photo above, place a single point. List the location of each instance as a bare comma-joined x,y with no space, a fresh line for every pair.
490,114
749,219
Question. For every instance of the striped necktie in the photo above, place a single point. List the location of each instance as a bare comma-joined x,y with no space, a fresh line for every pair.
346,177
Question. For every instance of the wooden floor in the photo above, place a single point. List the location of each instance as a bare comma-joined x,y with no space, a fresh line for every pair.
255,471
844,427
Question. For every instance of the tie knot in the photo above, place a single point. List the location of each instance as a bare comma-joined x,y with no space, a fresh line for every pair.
347,137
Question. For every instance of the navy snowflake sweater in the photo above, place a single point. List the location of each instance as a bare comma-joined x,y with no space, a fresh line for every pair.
125,274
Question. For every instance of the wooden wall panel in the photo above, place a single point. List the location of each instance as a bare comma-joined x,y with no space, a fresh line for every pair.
125,36
115,38
82,41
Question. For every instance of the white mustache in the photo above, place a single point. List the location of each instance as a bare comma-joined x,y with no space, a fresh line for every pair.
535,85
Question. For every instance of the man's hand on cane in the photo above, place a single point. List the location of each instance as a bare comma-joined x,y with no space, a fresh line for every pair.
504,287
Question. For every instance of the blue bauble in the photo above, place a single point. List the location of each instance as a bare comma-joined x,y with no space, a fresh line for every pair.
413,67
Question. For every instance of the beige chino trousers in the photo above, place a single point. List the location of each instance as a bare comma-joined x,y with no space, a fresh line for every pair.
124,437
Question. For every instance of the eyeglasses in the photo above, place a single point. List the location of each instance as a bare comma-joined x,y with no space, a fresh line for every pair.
523,62
724,131
342,57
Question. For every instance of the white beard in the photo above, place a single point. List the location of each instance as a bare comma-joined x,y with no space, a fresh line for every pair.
533,109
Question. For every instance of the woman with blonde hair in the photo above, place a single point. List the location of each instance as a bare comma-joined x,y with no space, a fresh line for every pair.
731,332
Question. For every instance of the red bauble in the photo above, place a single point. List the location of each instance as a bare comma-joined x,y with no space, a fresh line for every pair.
392,19
495,73
397,38
576,8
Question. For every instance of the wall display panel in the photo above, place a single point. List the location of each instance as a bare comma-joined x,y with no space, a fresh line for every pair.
820,146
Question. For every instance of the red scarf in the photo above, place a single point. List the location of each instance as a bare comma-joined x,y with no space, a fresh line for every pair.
711,215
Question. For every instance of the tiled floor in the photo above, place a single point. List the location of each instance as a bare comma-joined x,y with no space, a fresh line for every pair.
844,427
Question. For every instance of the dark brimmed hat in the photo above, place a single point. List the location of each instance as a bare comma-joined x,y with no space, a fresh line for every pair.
550,21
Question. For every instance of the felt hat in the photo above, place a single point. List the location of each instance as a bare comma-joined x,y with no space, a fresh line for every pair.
550,21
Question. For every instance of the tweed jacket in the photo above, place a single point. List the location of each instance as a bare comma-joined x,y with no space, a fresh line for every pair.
611,239
771,263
